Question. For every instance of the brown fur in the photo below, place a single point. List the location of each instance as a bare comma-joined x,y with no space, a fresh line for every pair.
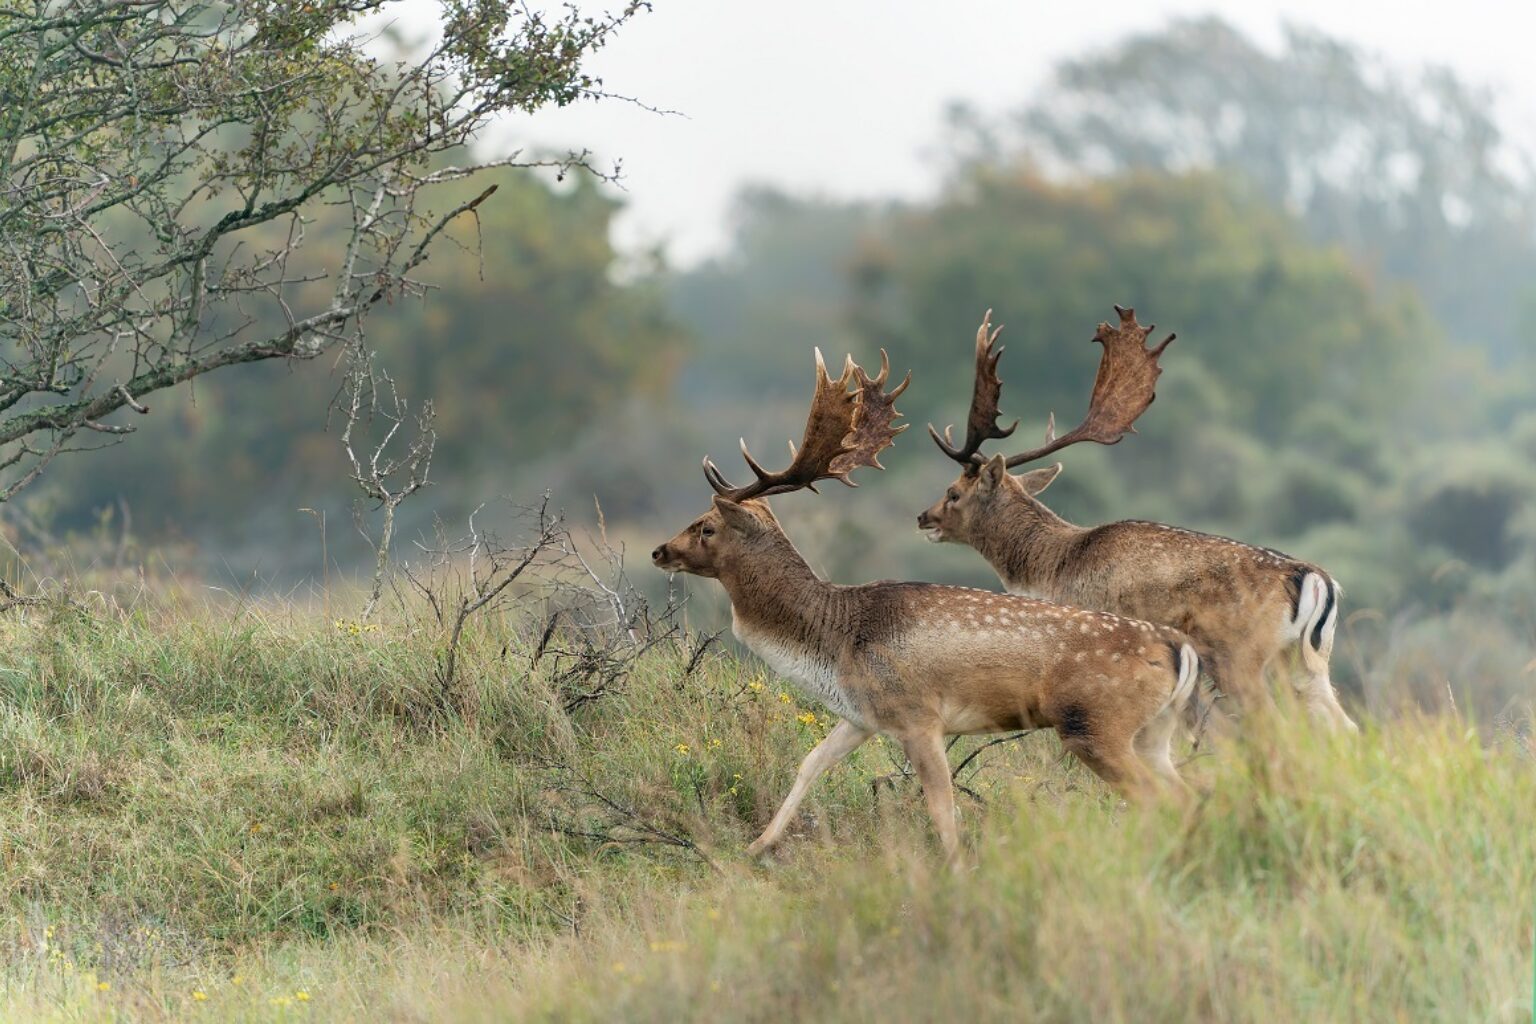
1240,604
919,661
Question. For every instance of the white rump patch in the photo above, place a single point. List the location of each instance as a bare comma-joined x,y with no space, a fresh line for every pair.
1314,597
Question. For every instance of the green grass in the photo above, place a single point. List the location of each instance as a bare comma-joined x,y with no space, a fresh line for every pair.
257,804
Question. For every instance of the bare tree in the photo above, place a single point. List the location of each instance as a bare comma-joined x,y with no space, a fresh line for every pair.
476,573
161,162
368,394
596,625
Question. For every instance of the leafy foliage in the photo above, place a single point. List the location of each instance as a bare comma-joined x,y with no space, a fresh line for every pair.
524,336
163,161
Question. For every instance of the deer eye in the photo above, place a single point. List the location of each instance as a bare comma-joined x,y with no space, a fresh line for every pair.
953,495
706,531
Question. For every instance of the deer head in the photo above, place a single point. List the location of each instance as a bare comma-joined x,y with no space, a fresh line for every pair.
843,431
1123,389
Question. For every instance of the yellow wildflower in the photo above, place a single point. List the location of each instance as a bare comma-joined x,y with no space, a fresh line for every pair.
198,995
714,744
785,698
755,686
103,986
681,748
806,719
302,996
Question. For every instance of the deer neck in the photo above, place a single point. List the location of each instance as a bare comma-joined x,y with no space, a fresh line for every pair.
1028,545
777,598
796,622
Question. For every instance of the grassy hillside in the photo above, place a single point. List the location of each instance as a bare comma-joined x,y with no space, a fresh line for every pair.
264,814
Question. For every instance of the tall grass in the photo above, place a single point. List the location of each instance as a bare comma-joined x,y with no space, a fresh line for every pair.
257,814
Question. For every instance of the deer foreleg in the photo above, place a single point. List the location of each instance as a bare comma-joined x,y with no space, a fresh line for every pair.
843,740
926,752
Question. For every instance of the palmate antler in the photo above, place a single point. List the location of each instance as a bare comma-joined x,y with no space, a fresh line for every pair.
844,430
981,425
1125,385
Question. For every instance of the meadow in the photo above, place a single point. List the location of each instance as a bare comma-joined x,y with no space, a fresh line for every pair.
258,811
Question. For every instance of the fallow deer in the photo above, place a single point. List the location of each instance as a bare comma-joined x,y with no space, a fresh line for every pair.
918,661
1242,605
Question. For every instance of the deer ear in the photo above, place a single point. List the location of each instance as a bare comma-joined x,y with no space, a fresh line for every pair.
992,472
1037,480
737,516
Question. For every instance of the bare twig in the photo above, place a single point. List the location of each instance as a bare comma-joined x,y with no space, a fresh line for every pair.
620,823
382,477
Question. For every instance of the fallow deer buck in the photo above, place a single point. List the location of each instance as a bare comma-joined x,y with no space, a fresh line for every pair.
918,661
1242,605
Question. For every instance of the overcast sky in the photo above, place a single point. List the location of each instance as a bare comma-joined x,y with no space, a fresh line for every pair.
846,97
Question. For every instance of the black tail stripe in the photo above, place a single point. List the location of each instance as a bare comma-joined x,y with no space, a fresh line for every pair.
1294,585
1317,631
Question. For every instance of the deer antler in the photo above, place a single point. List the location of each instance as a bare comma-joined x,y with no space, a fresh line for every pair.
844,430
981,425
1126,384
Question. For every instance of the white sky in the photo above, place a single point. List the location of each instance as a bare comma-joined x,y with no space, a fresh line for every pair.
845,97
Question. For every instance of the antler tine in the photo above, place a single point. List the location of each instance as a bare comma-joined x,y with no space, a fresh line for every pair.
884,375
716,479
1123,389
752,464
843,430
981,423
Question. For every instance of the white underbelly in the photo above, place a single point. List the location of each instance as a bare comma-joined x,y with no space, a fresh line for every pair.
816,676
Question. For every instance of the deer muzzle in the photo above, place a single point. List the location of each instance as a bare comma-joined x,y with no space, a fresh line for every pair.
928,523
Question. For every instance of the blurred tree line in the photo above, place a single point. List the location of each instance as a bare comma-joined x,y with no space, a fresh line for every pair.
1346,253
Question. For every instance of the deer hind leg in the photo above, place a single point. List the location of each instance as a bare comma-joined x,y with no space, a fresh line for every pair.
1108,750
1154,746
1237,671
1315,645
1314,688
926,752
1117,763
843,740
1209,711
1322,701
